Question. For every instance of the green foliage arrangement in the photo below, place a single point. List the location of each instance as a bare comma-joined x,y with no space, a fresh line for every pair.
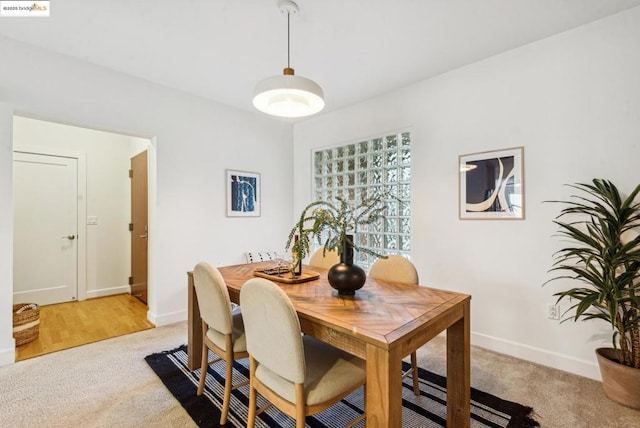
335,221
605,256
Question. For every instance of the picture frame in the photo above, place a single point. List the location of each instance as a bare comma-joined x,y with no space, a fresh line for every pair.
491,185
243,193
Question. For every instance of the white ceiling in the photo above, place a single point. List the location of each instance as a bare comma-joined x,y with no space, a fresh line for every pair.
355,49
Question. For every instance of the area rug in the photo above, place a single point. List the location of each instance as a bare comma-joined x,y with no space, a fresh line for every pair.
427,410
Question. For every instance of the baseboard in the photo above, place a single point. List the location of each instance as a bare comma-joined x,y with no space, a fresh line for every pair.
8,355
166,319
124,289
540,356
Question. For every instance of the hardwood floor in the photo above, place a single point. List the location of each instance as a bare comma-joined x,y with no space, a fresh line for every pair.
66,325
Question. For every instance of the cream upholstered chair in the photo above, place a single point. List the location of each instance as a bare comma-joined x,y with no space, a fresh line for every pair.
298,374
399,269
222,328
324,261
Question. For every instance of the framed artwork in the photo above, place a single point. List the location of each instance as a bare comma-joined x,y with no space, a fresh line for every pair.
243,194
491,185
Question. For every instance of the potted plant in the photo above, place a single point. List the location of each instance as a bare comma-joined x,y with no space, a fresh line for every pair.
334,225
604,255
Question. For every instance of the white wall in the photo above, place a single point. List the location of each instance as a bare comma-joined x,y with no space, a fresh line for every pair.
7,344
573,102
108,197
193,141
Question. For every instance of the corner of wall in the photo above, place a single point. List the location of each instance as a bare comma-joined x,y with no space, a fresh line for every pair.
166,319
7,342
8,355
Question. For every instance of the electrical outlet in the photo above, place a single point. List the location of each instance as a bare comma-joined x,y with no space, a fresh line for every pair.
553,311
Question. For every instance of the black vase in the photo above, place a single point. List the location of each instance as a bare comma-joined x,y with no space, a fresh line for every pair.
345,276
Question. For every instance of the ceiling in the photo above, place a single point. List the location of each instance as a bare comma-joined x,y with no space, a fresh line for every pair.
354,49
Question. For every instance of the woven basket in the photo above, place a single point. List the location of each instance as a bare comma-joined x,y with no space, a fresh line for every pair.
26,323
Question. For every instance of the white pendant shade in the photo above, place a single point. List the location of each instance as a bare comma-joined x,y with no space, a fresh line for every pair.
288,96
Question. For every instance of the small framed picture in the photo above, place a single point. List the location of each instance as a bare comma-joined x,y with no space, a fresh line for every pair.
491,185
243,194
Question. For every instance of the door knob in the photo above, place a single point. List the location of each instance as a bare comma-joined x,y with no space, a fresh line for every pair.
144,236
69,237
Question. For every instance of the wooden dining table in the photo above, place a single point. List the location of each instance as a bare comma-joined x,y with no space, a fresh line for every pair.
382,323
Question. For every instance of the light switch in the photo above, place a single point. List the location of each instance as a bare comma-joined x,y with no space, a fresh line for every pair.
92,219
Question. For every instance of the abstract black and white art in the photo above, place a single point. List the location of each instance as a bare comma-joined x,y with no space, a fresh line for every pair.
491,185
243,194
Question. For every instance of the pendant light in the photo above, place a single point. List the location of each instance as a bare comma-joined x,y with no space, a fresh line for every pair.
288,95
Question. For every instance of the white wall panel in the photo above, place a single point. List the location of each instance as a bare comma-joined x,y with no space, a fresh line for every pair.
7,344
573,102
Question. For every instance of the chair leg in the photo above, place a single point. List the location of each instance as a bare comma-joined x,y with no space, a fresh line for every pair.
251,417
300,406
414,373
227,388
204,365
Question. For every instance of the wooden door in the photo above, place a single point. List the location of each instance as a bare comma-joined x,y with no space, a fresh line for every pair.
45,249
139,226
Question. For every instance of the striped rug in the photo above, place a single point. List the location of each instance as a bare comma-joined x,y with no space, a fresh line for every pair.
428,410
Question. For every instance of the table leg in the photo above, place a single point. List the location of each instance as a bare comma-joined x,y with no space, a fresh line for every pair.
459,371
383,402
194,326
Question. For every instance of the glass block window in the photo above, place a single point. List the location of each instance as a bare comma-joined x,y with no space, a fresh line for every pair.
365,168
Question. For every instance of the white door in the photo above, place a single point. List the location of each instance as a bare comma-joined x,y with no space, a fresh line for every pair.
45,251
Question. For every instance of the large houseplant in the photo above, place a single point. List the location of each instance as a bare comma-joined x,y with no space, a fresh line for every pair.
334,225
604,255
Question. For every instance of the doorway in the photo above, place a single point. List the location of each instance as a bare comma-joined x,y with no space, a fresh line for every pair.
103,239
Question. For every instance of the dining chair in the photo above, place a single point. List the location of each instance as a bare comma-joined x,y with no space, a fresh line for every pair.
399,269
324,259
298,374
222,329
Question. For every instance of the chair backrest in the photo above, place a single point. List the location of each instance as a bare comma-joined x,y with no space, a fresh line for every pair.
213,297
394,268
260,256
272,329
324,261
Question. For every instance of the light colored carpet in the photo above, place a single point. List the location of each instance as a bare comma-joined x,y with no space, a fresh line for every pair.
108,384
103,384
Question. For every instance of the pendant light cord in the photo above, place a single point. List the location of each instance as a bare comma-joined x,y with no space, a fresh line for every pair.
288,43
288,71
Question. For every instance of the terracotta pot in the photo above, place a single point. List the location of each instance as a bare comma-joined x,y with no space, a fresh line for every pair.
620,383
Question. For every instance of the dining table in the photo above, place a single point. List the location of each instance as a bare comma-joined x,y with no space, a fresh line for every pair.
382,323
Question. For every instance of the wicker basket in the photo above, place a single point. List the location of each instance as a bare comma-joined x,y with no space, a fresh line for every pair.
26,323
